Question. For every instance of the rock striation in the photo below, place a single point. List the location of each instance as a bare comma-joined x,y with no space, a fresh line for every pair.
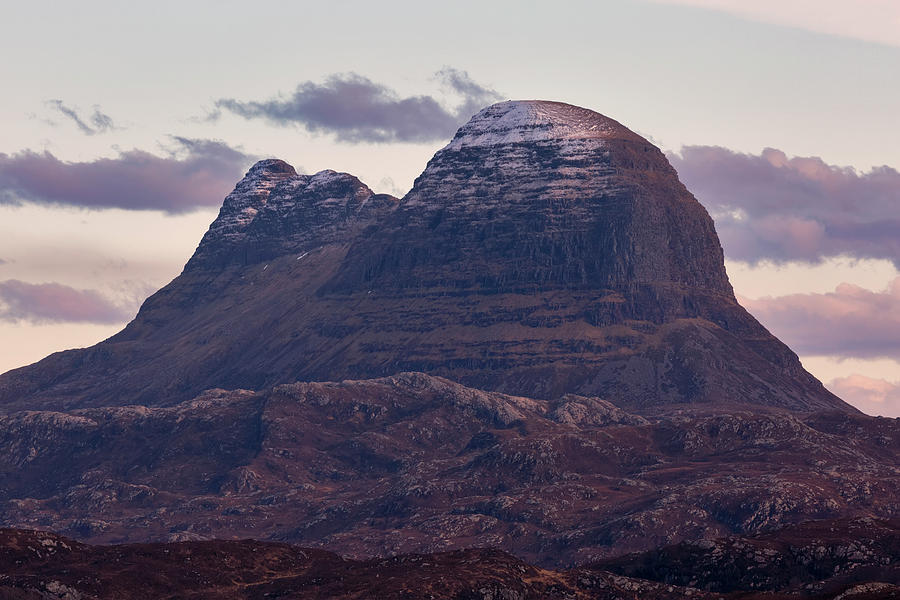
546,250
535,196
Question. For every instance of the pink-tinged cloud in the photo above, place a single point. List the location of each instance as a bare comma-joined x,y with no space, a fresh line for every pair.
850,321
771,207
877,397
56,303
869,20
199,173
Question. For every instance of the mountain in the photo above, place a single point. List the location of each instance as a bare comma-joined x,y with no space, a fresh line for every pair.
536,349
546,250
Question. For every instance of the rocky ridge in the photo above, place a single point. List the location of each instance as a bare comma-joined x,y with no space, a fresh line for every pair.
415,463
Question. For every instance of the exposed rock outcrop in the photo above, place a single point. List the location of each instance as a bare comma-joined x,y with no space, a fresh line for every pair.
415,463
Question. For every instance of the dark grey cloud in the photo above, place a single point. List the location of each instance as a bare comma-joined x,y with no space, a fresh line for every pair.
848,322
771,207
194,174
96,122
356,109
57,303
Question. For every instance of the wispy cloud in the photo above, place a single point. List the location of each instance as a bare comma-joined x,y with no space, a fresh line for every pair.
193,174
92,124
849,322
357,109
872,396
771,207
56,303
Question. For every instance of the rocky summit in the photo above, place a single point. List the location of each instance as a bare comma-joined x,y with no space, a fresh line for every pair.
546,250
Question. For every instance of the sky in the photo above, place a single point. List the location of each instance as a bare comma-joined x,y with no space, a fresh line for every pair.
122,128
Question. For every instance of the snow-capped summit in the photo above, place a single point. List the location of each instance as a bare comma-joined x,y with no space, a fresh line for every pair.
518,121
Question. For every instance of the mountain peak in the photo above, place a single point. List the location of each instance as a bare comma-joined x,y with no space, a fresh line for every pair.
518,121
329,177
272,166
275,211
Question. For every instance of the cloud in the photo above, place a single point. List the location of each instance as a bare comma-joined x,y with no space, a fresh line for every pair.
869,20
387,185
849,322
195,173
872,396
97,122
771,207
356,109
56,303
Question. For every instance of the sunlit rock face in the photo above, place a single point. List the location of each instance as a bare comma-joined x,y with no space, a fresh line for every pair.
546,250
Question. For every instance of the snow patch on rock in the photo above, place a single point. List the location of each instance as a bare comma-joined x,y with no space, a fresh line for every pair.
518,121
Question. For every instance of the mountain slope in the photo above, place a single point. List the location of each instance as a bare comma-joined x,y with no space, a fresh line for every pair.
545,250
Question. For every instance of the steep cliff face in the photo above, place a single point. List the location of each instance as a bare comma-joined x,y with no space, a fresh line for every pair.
545,250
548,249
533,196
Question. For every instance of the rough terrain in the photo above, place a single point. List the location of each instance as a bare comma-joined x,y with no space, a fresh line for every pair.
41,566
414,463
